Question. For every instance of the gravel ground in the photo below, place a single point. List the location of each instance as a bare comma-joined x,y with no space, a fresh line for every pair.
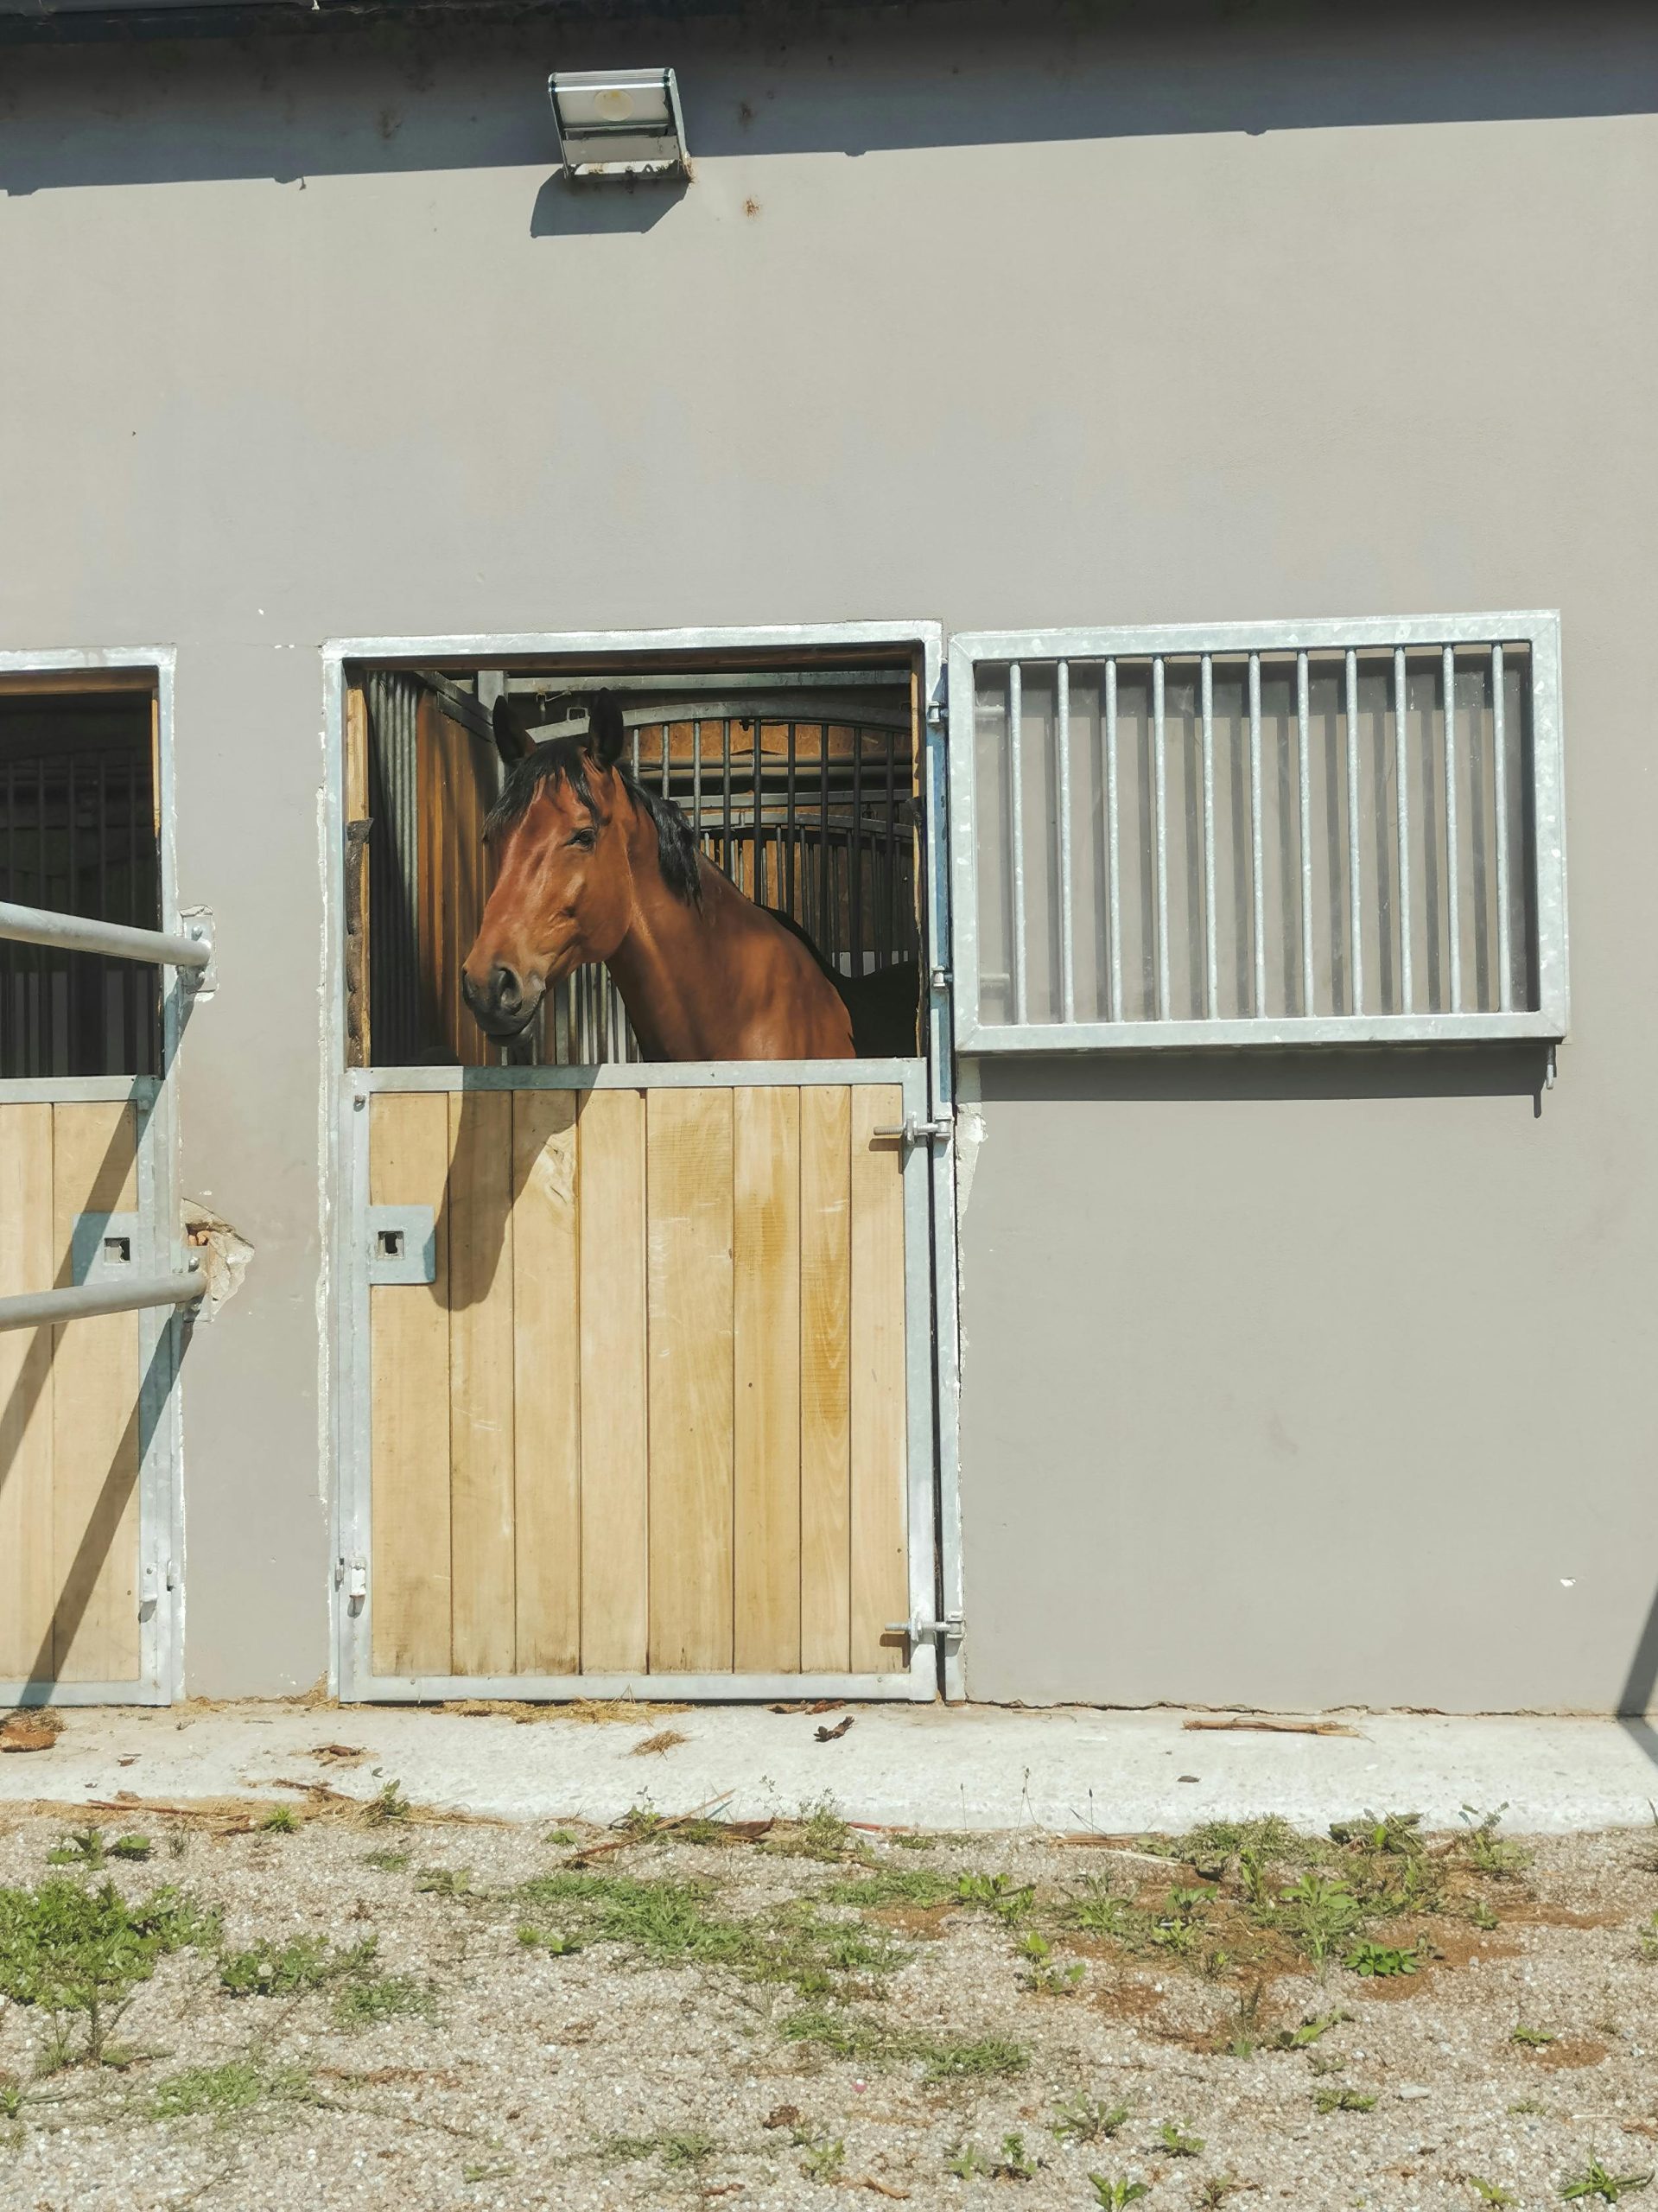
707,2037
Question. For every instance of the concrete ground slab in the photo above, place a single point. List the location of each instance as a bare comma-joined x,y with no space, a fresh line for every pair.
929,1766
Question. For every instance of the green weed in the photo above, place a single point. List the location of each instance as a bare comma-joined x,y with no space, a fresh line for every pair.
997,1893
966,2161
1114,2195
1483,1848
1013,2162
1309,2031
1174,2140
1317,1914
1380,1960
443,1881
83,1954
1596,2181
304,1962
821,2160
1329,2100
387,1806
983,2059
386,1862
281,1819
912,1886
1531,2038
365,2002
1088,2119
225,2091
1217,2189
1490,2192
677,2149
1043,1975
1396,1833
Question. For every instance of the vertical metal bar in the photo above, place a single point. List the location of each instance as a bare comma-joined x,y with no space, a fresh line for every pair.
892,852
725,789
759,849
1161,832
42,1012
1354,918
1453,886
697,779
1303,745
1067,978
666,793
1401,778
825,936
1016,759
789,862
1500,741
1115,890
854,860
1257,869
1211,943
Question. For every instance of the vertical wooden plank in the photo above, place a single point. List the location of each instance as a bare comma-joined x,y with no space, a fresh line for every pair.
26,1264
430,806
409,1335
95,1439
358,1048
688,1209
484,1597
825,1325
765,1376
547,1366
615,1554
880,1515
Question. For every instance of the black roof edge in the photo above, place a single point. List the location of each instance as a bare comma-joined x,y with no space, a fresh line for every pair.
84,21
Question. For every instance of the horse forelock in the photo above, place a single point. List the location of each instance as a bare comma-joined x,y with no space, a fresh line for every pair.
562,760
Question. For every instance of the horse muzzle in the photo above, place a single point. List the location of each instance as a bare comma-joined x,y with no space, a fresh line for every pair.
506,1005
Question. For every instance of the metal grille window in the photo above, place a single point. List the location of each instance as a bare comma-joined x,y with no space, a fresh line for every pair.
1259,834
78,835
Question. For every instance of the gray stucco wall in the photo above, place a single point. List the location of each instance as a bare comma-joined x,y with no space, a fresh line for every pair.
1283,1385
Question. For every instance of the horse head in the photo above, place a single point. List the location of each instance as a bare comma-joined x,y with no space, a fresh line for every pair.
564,892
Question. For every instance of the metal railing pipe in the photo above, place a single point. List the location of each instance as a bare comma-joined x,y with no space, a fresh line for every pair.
79,933
38,1309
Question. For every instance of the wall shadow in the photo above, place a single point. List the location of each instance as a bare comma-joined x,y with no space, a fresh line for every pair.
563,210
1517,1071
310,95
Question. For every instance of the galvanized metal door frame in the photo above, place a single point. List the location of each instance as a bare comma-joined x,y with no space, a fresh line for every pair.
160,1330
935,1567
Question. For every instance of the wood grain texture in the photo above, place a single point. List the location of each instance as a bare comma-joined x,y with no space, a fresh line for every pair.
358,1042
878,1425
409,1325
547,1365
766,1376
482,1370
27,1588
95,1430
825,1437
688,1206
615,1550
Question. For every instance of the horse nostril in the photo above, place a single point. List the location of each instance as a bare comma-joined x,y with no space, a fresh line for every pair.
506,990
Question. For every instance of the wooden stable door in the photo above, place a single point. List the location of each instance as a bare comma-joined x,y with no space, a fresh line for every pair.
649,1415
71,1448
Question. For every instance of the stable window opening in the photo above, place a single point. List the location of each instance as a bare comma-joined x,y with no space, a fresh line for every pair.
797,784
78,835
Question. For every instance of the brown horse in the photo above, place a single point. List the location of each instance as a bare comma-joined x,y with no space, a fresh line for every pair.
592,867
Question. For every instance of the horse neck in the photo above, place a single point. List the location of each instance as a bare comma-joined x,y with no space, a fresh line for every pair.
665,967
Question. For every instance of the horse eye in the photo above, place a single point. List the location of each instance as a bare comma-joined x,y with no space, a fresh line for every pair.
584,838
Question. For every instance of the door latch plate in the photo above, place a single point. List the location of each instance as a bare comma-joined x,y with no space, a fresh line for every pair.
103,1247
402,1244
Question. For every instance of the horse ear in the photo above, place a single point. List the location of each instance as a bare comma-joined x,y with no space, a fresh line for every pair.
512,740
605,731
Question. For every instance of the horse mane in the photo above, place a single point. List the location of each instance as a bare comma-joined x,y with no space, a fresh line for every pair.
563,760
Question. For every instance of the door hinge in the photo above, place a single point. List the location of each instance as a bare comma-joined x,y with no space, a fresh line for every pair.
154,1577
351,1575
912,1130
949,1630
938,707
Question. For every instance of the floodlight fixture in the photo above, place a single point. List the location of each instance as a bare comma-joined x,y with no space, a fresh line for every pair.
618,123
